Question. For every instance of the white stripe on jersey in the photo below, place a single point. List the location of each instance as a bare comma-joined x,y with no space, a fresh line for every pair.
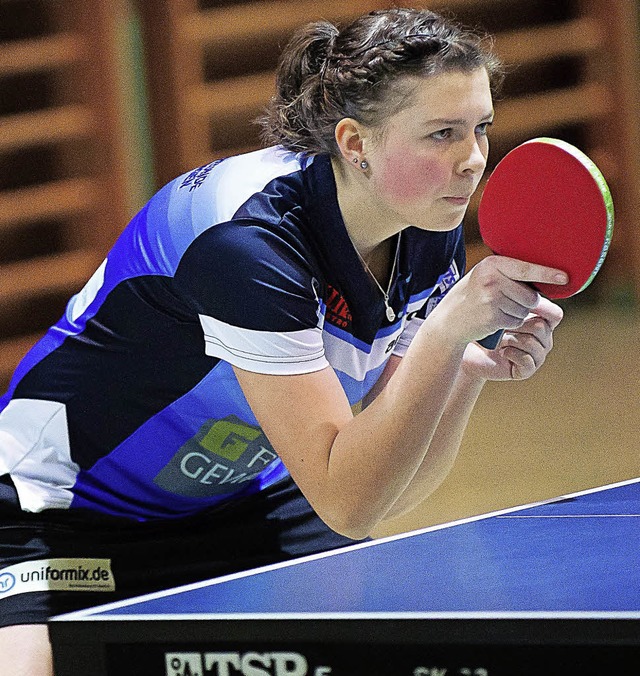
221,194
356,363
35,452
283,353
417,302
411,328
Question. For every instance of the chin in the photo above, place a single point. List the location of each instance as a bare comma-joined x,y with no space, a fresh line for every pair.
442,225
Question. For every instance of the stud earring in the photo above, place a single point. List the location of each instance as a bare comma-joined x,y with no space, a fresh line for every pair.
364,165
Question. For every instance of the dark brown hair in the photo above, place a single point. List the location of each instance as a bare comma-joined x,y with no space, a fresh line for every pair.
361,71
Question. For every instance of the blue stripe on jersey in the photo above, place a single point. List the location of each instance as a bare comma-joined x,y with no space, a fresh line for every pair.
119,265
356,390
423,295
133,473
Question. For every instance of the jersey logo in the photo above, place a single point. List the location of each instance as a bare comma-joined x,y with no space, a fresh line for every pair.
196,178
448,278
222,456
338,312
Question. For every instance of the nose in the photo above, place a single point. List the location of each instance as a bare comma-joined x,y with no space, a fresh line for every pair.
473,156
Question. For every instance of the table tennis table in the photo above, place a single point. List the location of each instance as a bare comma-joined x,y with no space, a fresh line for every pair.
545,589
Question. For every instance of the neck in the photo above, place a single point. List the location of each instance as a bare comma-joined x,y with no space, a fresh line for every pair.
380,260
369,228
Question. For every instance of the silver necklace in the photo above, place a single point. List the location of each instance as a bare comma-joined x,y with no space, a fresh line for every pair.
391,315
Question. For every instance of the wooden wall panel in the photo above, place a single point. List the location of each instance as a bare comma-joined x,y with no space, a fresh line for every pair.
62,192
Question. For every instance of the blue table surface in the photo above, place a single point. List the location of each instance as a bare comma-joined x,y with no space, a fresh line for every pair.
579,554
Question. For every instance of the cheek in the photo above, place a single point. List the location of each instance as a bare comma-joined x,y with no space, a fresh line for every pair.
405,178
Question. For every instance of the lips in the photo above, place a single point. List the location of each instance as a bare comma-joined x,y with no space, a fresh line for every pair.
458,199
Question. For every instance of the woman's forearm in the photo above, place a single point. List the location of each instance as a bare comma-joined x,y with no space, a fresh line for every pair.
375,458
444,446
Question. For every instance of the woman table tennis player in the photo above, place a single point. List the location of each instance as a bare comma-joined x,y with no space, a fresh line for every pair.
192,413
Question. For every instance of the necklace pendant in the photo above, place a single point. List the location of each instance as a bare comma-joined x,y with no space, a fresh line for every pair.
391,315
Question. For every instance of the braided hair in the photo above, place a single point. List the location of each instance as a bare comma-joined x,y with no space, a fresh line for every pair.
363,72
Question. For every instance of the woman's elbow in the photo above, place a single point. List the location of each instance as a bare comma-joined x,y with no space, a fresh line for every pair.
354,523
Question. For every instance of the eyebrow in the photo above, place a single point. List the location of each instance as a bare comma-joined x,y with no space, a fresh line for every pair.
458,121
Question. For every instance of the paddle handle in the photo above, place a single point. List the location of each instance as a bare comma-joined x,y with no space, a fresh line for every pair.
490,342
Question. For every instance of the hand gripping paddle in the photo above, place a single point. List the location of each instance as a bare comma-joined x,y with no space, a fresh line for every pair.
546,202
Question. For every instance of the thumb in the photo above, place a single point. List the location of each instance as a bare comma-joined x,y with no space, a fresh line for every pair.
550,311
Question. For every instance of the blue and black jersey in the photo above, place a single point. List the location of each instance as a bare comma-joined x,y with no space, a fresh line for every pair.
129,404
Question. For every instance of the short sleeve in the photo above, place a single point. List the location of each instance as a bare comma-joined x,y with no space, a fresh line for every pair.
254,292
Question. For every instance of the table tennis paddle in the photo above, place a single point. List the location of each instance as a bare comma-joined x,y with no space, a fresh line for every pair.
546,202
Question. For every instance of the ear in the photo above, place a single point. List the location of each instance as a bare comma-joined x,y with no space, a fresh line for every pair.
350,136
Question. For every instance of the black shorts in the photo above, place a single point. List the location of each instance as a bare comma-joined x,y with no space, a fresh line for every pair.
59,561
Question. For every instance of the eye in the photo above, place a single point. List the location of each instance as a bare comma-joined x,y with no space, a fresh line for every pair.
483,128
441,134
